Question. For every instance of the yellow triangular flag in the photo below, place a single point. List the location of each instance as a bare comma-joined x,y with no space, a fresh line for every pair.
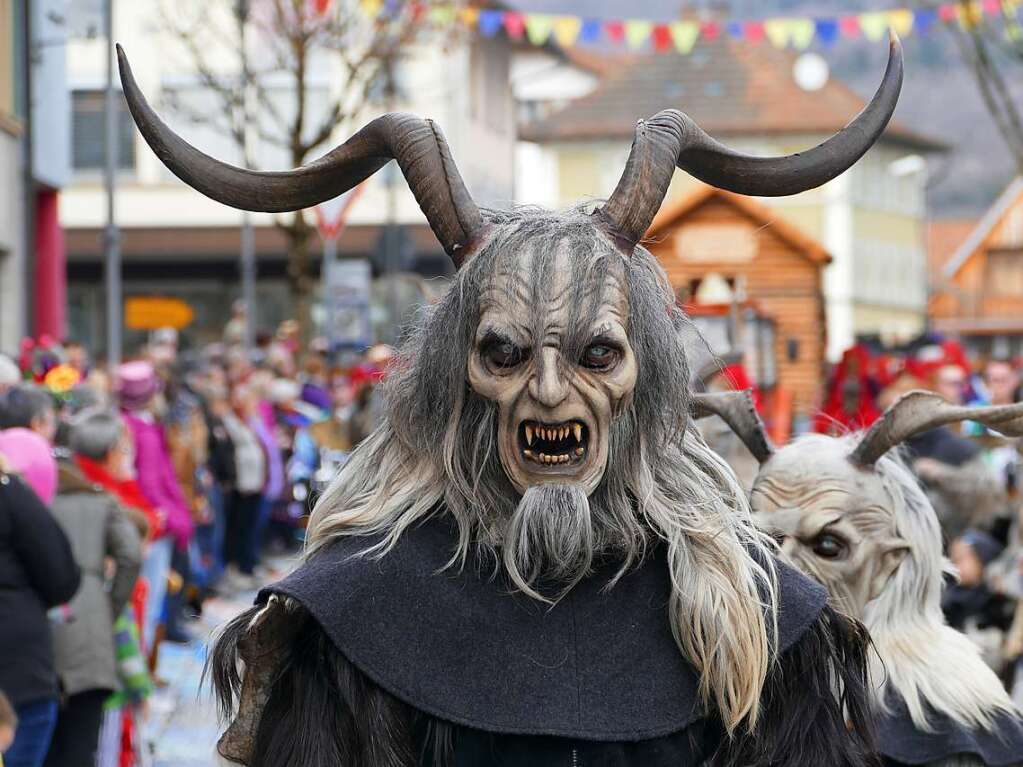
684,34
566,30
901,21
874,25
441,15
970,14
801,32
371,7
777,31
470,16
538,27
637,32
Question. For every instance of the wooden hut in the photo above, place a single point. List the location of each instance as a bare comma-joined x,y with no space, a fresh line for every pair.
752,281
978,293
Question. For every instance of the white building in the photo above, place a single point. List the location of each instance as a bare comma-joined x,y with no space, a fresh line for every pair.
175,242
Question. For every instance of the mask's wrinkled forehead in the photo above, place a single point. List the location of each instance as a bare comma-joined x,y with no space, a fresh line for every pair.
816,481
555,285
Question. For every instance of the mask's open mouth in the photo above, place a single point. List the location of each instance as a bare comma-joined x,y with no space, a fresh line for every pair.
554,444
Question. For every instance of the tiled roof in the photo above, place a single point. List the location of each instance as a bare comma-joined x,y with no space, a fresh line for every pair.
729,88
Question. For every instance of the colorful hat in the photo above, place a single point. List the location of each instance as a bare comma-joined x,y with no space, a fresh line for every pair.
137,384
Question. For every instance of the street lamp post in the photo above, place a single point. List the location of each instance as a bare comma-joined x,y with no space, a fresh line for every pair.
111,238
248,234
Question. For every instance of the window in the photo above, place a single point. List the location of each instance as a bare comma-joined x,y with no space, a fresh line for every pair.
1005,273
88,129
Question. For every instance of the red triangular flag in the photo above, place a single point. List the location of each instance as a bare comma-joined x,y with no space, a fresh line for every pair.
514,25
948,12
710,30
754,31
661,37
850,26
615,31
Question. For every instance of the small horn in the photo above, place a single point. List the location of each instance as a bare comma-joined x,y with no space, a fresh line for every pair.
920,411
736,408
672,138
417,145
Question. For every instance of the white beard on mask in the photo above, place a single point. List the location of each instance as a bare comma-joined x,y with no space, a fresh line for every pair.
550,537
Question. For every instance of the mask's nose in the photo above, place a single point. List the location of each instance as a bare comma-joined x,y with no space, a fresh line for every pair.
548,385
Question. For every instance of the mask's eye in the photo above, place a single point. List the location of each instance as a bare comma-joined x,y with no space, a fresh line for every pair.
829,546
503,355
600,356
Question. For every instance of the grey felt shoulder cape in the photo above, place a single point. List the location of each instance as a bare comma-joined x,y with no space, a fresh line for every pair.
600,665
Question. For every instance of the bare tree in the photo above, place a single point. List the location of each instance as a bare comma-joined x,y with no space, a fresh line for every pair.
992,47
264,89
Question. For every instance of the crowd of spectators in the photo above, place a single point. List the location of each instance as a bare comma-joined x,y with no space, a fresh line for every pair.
130,496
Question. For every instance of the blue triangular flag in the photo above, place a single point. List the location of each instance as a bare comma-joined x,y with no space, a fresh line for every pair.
827,31
490,22
923,20
590,31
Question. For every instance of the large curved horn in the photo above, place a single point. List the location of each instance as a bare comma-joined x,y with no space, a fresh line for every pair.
672,138
920,411
417,145
736,408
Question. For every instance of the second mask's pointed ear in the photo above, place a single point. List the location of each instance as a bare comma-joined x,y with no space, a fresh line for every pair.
890,556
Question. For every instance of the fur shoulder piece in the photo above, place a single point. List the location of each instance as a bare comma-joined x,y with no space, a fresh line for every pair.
901,740
457,645
815,708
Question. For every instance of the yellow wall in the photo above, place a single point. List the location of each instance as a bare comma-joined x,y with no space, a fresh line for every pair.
897,228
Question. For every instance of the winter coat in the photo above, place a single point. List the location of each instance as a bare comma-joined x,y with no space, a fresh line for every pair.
156,476
37,572
98,528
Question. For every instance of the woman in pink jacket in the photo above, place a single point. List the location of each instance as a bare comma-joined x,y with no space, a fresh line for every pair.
137,386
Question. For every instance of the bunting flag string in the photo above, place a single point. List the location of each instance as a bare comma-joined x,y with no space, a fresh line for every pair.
784,32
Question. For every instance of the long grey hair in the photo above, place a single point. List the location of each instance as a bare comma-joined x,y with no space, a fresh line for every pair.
437,451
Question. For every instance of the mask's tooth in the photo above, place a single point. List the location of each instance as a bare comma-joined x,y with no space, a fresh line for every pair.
529,435
564,432
578,429
527,453
580,450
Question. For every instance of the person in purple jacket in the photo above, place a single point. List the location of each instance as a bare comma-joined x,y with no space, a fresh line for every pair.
137,387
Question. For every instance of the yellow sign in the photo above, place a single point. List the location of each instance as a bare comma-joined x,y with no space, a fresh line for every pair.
153,312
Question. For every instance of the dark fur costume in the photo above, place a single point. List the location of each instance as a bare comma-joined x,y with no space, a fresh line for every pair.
398,665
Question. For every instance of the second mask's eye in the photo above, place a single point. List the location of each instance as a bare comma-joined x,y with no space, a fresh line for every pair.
829,546
503,355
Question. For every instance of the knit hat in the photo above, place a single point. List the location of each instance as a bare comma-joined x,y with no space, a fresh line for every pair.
984,546
137,384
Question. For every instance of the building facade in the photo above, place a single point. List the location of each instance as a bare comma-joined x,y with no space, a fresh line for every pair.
13,102
870,219
177,243
978,296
